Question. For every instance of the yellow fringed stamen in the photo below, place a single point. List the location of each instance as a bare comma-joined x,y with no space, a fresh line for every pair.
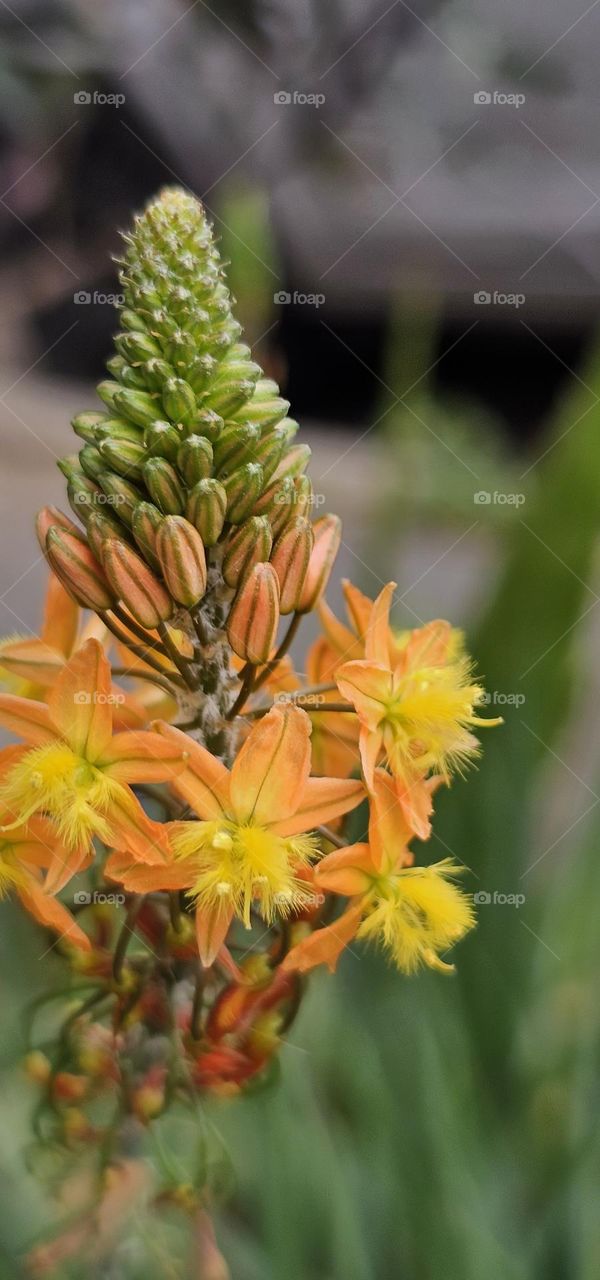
53,780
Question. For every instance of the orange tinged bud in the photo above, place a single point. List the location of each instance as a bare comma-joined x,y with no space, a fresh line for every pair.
254,617
250,542
67,1087
50,518
290,560
206,507
135,584
78,570
327,533
180,550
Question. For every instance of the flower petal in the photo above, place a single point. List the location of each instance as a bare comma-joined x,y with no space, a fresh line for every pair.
322,800
359,607
325,946
27,718
139,756
348,871
367,685
204,784
80,704
370,744
342,639
33,660
414,798
131,827
377,644
51,913
271,770
61,619
137,878
212,927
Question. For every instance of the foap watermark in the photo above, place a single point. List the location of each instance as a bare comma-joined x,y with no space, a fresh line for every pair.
84,499
497,498
308,700
97,299
85,98
497,899
499,698
83,698
309,900
497,98
312,500
483,298
295,98
85,898
297,299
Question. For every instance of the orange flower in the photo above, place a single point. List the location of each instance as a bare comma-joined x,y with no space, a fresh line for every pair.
413,912
74,770
25,850
251,845
415,711
35,662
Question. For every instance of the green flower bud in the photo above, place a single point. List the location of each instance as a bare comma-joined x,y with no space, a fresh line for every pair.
83,494
99,527
236,445
122,495
303,492
136,405
246,545
209,424
181,350
157,372
91,461
294,462
130,320
200,372
195,459
118,429
124,457
163,486
243,488
230,397
181,553
145,523
179,401
136,347
125,373
107,391
266,408
206,509
84,425
162,440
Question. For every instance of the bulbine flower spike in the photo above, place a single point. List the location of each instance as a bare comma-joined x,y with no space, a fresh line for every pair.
194,550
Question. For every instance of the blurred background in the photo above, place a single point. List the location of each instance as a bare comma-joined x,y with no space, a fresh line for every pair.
408,197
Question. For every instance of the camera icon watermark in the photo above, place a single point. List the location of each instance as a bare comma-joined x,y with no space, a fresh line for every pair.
83,98
498,698
283,299
496,899
482,98
83,298
482,298
296,98
485,498
84,898
83,698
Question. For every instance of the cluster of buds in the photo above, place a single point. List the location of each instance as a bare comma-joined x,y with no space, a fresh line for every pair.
195,505
207,797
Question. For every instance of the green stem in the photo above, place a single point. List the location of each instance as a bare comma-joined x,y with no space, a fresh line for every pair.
332,837
177,657
138,650
282,650
126,935
243,695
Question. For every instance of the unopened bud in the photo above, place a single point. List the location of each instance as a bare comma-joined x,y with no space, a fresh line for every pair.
107,390
52,517
138,406
250,542
123,495
162,440
122,456
195,459
82,494
179,401
156,373
136,585
290,559
78,570
163,486
181,553
303,495
84,425
206,509
271,448
243,488
99,527
92,462
136,347
229,397
200,371
254,615
128,375
118,429
209,424
145,524
38,1067
236,445
277,501
68,1087
327,533
294,462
